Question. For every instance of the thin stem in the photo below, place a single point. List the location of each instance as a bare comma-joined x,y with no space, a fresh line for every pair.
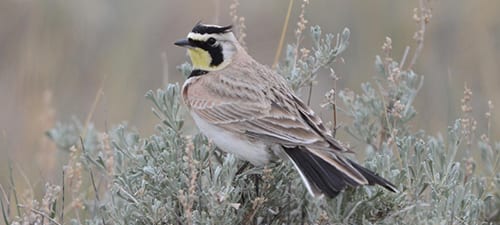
403,60
63,187
98,96
96,192
420,38
283,33
40,213
335,126
4,211
13,186
334,106
310,93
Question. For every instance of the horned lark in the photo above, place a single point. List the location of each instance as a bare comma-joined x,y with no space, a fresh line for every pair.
247,109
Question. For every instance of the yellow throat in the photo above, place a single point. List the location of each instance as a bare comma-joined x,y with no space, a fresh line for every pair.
200,58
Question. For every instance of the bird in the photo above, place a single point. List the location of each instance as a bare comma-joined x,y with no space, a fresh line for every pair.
249,110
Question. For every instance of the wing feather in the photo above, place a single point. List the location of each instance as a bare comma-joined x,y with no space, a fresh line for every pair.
265,110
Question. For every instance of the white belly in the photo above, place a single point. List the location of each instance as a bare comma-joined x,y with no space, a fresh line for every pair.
256,153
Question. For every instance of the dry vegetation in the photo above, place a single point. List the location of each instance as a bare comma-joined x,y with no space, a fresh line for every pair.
119,176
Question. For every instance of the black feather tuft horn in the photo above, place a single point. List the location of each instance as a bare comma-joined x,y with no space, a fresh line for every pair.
200,28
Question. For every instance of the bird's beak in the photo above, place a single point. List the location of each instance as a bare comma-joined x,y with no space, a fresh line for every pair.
183,43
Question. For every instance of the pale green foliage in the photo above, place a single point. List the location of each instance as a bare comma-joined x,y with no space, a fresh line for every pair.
301,66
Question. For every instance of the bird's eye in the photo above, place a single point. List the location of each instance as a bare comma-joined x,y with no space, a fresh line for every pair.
211,41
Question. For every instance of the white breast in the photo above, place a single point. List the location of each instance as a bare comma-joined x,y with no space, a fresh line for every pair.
256,153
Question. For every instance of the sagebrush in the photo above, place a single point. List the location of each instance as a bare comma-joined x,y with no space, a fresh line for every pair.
121,177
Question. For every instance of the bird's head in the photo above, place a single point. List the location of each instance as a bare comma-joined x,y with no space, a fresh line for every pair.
210,47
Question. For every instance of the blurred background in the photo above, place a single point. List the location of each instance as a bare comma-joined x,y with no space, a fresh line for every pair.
60,59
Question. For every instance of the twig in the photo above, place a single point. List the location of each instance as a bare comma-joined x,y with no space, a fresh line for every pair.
7,196
98,96
334,106
422,20
4,213
96,192
353,209
26,179
40,213
403,60
93,185
63,187
385,126
131,197
310,93
13,186
408,208
283,33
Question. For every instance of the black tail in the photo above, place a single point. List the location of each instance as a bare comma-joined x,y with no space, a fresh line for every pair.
373,178
321,176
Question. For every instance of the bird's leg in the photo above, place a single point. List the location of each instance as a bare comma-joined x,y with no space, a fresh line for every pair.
257,178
